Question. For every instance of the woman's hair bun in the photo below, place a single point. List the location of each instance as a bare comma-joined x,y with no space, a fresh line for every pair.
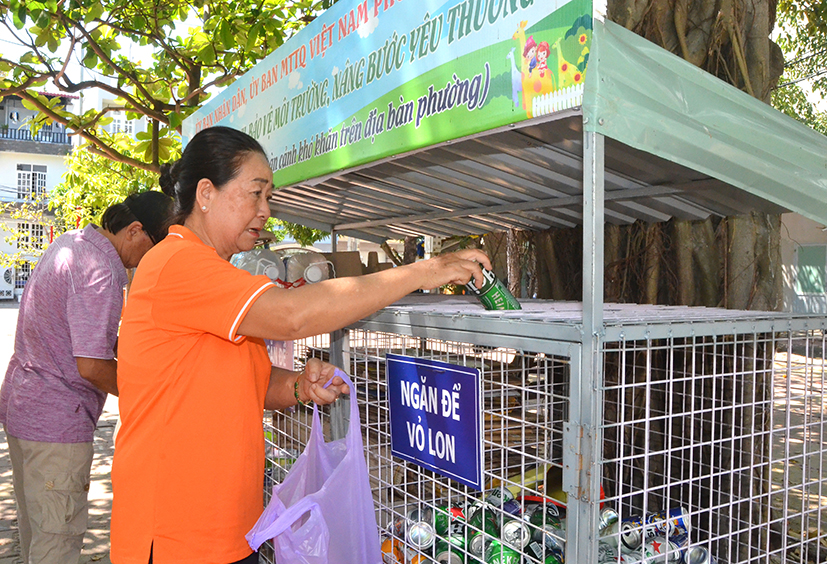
169,178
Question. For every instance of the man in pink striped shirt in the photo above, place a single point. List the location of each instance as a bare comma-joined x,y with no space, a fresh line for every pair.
63,367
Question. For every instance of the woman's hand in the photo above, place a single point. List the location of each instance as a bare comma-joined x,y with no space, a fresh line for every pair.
312,380
458,268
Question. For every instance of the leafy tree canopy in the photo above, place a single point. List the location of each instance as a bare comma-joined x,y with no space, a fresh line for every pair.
802,27
195,45
95,182
190,48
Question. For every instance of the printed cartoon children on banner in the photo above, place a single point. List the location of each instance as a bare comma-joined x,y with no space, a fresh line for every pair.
374,78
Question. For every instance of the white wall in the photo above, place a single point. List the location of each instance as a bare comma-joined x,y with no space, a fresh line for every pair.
796,231
56,168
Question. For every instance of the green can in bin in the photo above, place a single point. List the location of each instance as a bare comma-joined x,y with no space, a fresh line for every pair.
499,553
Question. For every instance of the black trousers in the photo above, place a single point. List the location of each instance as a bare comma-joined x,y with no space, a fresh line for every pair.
252,559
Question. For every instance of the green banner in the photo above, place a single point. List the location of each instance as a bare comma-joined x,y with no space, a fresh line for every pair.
369,80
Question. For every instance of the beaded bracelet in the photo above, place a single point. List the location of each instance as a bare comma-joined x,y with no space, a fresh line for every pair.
296,390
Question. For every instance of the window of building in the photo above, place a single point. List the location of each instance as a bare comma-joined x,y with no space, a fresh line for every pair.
31,235
21,274
812,269
120,123
31,181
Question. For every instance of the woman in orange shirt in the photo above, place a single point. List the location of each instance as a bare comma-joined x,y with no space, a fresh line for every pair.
193,372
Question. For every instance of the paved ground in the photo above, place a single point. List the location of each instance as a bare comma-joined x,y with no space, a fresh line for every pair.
96,543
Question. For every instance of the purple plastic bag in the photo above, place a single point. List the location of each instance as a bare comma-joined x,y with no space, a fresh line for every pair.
329,485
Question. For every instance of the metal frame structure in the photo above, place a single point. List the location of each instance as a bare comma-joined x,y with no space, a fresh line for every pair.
744,392
579,167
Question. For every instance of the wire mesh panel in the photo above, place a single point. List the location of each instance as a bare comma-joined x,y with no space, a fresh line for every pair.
711,441
287,432
717,442
425,515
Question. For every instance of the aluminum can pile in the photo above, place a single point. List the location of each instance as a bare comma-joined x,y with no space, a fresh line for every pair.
497,529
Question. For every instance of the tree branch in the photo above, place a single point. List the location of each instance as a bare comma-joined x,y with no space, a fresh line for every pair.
98,146
90,42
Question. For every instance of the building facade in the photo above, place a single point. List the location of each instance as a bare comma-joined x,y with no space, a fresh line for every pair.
30,166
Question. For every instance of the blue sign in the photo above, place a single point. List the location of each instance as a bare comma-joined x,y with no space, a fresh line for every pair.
435,412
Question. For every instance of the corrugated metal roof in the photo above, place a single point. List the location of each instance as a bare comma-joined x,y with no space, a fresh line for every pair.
528,177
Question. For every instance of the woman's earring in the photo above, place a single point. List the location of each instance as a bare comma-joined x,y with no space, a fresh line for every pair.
204,208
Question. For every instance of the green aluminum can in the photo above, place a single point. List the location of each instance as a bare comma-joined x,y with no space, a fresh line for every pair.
445,515
484,520
499,553
457,537
493,294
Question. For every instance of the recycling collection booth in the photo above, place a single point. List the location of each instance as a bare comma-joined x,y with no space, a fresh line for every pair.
387,118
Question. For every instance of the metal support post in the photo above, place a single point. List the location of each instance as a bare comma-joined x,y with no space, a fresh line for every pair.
340,410
581,473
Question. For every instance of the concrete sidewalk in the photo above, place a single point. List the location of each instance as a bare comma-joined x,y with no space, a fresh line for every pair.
96,542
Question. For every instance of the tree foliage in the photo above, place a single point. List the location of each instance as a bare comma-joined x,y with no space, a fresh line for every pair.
94,182
304,236
25,242
802,27
192,47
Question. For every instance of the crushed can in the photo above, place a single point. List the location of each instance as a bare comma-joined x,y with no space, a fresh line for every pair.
498,496
445,515
608,516
606,553
698,555
420,535
537,552
391,553
625,535
451,549
515,533
482,527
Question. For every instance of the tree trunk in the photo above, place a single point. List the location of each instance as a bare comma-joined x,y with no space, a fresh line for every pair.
409,252
514,260
683,258
494,244
651,271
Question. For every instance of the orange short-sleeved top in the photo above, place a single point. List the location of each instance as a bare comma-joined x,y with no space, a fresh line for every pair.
189,459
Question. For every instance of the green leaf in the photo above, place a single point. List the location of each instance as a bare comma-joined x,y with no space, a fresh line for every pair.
95,12
19,17
207,54
252,35
226,35
29,105
90,61
175,120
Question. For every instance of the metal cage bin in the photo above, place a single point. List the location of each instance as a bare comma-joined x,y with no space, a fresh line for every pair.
708,445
